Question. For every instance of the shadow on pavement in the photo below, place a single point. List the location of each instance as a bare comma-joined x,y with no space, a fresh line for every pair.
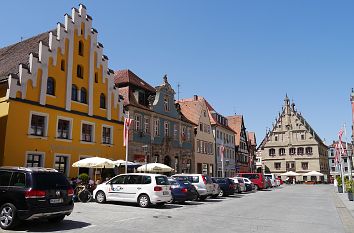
44,225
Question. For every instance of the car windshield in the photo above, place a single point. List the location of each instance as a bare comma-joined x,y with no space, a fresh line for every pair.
192,179
161,180
173,182
240,180
49,180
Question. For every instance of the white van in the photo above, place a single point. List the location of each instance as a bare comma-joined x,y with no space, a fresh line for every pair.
144,189
273,179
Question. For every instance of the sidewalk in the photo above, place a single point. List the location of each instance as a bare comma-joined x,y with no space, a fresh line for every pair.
345,209
349,204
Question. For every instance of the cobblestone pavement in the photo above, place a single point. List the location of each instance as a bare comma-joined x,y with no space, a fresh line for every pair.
291,208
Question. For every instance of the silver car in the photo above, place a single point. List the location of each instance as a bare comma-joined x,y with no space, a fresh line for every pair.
202,183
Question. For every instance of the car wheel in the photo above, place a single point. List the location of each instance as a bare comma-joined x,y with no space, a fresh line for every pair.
56,219
171,201
144,201
256,187
221,194
202,198
100,197
8,216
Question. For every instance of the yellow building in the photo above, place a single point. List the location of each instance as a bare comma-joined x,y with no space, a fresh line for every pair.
58,102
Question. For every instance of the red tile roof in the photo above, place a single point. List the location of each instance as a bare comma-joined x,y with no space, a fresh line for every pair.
191,110
235,123
12,55
128,77
252,138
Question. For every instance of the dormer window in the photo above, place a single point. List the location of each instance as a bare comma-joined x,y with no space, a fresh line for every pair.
166,103
81,48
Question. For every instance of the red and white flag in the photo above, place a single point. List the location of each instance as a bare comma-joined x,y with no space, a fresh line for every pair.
127,123
336,154
340,146
222,150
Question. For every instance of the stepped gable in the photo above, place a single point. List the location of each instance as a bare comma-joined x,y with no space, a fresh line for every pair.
284,119
20,62
123,77
13,55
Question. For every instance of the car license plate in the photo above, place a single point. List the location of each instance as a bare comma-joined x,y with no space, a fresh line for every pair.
165,192
56,201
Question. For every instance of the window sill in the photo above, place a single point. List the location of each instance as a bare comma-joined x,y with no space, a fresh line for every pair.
103,109
51,96
107,144
64,139
38,137
85,104
86,142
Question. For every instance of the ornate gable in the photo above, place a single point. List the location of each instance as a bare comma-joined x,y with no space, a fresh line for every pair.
61,42
291,128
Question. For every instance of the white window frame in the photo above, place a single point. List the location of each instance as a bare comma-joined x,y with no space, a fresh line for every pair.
70,128
166,126
93,132
46,123
35,152
67,168
156,127
175,131
147,127
138,125
111,136
166,103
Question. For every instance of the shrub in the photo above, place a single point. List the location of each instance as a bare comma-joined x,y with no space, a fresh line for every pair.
349,185
84,178
339,181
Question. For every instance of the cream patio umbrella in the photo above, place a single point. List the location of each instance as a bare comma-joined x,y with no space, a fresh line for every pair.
290,173
94,162
313,173
154,167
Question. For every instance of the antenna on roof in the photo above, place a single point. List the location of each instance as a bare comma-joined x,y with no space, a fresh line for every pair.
21,38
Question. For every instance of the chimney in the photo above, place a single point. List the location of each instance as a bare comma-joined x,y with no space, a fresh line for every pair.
195,97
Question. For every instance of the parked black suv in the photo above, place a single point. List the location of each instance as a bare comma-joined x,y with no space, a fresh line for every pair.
32,193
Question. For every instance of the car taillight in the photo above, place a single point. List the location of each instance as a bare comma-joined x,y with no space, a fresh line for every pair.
184,190
204,180
157,188
33,193
70,192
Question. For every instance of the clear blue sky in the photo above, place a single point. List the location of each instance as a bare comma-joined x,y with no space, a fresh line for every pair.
243,56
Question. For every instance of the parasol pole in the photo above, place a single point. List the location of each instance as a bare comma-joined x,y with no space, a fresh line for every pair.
126,144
